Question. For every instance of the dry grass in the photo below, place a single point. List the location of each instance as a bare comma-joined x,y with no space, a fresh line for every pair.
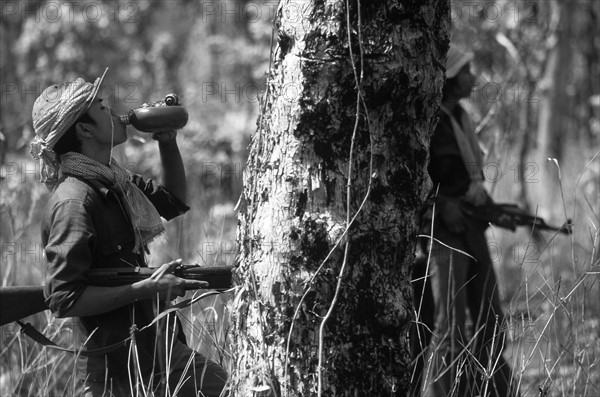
27,368
554,333
551,286
554,307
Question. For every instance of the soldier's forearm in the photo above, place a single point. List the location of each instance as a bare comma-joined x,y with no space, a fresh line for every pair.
97,300
173,172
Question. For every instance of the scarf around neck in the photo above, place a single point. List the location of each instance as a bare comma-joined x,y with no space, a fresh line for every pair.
468,145
144,217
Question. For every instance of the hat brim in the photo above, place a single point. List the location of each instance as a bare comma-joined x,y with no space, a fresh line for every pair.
456,60
96,89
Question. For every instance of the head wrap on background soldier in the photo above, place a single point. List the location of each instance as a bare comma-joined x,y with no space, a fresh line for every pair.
457,58
54,112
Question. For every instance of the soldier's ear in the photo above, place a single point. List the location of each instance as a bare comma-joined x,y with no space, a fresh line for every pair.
82,130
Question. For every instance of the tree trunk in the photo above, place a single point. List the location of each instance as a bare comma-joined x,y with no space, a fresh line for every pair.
553,110
321,157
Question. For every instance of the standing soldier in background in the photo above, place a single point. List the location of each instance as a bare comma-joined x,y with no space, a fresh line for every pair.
461,269
101,216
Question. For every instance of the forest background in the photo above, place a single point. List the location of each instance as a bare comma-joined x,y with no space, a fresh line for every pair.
537,98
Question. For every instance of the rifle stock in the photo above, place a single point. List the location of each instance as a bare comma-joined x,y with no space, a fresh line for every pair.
22,301
19,302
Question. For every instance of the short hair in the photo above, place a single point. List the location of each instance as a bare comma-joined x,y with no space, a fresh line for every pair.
69,141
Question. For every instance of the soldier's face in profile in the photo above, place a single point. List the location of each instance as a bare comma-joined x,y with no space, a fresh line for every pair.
466,81
107,128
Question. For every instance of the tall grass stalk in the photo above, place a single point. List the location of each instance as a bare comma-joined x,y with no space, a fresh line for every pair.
553,326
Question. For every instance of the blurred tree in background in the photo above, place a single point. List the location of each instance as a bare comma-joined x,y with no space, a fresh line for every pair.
538,92
537,98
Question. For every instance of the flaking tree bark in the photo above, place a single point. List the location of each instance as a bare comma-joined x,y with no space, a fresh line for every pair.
317,138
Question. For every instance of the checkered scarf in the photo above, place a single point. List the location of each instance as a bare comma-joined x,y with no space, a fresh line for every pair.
145,220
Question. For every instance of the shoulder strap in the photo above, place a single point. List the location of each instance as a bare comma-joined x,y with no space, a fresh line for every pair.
40,338
467,143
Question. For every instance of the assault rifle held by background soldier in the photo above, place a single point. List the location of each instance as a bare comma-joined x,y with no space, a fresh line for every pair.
509,216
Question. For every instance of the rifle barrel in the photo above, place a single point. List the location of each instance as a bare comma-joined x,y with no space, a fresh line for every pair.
217,277
19,302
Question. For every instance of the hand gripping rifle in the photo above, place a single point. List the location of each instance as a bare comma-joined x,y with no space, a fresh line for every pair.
509,216
19,302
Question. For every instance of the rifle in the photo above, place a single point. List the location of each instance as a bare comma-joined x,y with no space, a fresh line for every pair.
509,216
217,277
19,302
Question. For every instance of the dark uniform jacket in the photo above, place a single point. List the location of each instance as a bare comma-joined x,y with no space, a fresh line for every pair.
446,167
450,176
85,226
